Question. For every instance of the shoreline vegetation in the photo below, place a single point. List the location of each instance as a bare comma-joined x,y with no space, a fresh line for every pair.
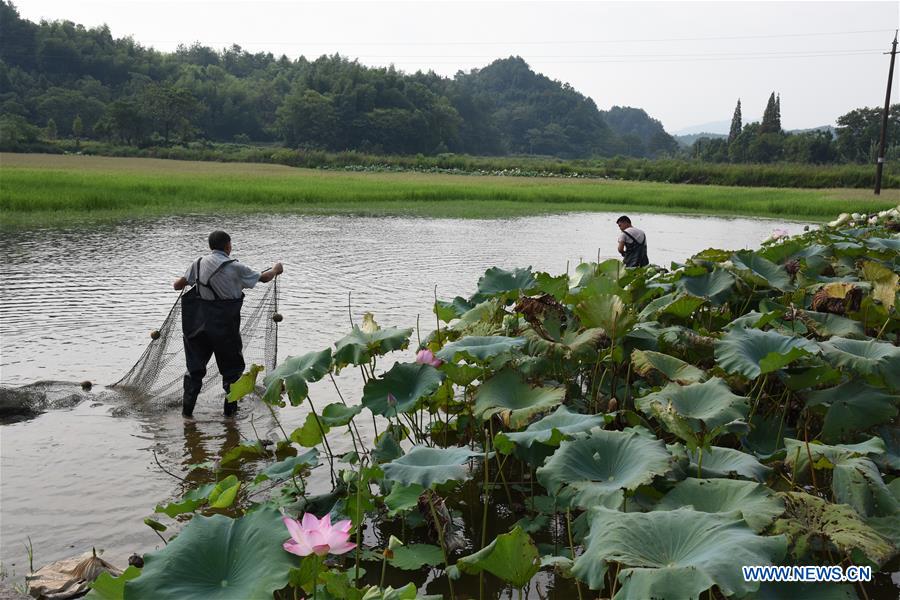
40,190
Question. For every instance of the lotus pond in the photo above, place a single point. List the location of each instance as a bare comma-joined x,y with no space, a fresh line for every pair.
599,433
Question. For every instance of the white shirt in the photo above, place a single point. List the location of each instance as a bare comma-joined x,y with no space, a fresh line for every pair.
228,283
639,236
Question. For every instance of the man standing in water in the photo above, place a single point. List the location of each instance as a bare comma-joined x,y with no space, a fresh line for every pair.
632,244
211,317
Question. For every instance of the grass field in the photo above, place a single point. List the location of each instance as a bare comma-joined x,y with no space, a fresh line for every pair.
51,190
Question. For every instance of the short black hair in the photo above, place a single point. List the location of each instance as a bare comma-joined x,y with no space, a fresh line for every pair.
622,219
218,240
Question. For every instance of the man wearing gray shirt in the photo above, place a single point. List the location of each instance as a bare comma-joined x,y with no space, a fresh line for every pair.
211,317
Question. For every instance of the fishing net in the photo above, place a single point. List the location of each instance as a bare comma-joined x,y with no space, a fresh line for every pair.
159,372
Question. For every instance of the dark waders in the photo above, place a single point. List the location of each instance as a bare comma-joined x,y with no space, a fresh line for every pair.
635,253
210,327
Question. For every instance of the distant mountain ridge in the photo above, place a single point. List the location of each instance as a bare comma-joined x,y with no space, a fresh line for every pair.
73,81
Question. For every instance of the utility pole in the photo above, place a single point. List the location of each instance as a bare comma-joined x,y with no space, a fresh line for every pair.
884,119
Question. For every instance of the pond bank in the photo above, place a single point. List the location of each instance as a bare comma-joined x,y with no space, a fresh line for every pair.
51,190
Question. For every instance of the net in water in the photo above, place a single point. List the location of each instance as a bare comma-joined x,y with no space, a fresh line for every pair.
159,372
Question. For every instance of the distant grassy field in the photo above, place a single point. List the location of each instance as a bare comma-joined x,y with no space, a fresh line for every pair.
49,190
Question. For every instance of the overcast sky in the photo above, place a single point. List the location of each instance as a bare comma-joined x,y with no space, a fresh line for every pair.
685,63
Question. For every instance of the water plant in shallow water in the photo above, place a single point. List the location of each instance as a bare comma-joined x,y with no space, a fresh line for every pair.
639,432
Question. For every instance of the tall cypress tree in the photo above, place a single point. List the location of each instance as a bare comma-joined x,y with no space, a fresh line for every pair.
778,110
770,121
736,123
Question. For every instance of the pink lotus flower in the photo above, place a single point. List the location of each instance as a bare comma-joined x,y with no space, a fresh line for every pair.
317,536
427,357
777,234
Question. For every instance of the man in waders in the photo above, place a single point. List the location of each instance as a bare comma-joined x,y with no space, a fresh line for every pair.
632,244
211,317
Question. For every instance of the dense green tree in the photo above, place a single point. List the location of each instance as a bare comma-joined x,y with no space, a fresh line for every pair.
307,118
810,147
170,109
771,121
736,123
50,130
859,131
77,129
710,149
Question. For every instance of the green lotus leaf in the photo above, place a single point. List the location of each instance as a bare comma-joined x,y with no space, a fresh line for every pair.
809,518
675,554
461,374
245,384
479,348
716,286
697,413
597,469
447,311
415,556
311,433
107,587
554,427
358,347
512,557
290,466
557,286
484,317
224,492
673,369
681,306
855,479
828,325
218,558
884,282
294,373
889,460
402,498
407,592
757,503
886,527
337,414
516,401
852,407
761,272
752,352
722,462
868,358
606,311
767,433
497,281
429,466
407,383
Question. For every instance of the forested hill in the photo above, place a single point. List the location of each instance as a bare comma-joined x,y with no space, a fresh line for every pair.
70,80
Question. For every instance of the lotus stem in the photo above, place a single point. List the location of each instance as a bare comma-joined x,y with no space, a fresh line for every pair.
500,468
572,547
352,420
484,514
812,471
615,580
358,522
440,532
699,462
383,568
437,318
316,579
325,440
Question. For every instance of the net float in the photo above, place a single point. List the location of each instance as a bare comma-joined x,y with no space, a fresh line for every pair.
277,317
154,335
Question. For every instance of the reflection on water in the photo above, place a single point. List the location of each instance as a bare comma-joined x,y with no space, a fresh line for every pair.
78,305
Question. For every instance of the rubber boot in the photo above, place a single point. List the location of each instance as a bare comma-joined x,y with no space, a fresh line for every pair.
230,408
189,398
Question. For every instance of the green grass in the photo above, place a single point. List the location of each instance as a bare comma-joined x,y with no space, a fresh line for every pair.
47,190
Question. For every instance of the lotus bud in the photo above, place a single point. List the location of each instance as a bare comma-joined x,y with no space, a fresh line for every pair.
369,325
394,543
612,405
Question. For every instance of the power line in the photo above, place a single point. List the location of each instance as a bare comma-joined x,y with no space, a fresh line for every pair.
534,42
